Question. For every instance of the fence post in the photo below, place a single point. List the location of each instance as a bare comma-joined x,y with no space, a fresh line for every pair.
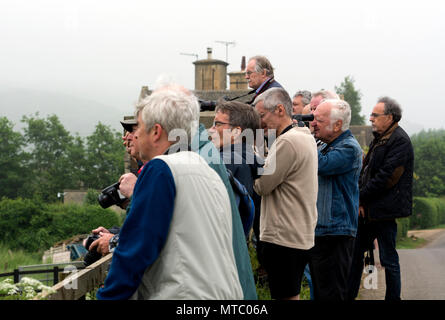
56,275
16,275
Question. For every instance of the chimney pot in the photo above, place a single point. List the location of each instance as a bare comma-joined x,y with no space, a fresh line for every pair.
243,63
209,53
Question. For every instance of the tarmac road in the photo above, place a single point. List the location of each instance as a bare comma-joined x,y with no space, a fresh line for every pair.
422,271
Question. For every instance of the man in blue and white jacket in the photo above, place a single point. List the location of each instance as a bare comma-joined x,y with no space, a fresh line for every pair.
176,242
339,165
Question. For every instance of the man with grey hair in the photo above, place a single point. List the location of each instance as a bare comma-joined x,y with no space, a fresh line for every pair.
260,76
300,100
319,96
179,203
386,183
289,192
339,165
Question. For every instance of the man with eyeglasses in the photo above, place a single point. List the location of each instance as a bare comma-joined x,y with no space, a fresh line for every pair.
260,76
233,133
386,182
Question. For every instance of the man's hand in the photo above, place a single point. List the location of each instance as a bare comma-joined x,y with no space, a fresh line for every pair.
361,211
126,142
100,230
127,182
102,243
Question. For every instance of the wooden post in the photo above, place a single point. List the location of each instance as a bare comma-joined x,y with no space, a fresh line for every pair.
80,283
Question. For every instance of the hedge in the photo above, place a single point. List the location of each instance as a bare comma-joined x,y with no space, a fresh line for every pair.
34,226
403,225
427,212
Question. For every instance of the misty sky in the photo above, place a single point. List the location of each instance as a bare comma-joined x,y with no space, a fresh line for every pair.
106,50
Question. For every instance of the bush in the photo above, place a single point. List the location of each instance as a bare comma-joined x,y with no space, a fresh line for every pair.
403,226
427,212
91,196
440,206
33,226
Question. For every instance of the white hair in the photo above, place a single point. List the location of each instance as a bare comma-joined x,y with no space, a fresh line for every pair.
326,94
340,111
173,107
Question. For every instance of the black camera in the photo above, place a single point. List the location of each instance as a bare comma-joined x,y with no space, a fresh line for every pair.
91,256
207,105
303,117
111,195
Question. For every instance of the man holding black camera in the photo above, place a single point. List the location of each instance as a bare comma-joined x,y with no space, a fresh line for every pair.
288,188
106,240
339,165
161,253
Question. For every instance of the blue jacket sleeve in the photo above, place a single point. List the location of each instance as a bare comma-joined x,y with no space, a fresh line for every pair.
336,161
144,232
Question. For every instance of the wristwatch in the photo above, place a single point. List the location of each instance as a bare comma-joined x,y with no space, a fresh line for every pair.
112,244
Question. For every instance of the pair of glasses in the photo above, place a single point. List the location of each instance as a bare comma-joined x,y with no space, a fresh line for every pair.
219,123
376,115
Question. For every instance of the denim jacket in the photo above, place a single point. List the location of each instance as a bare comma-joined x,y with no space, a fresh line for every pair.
339,166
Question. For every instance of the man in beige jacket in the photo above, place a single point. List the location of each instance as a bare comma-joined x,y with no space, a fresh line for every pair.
289,189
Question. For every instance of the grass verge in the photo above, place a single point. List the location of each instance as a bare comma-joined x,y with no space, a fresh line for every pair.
410,243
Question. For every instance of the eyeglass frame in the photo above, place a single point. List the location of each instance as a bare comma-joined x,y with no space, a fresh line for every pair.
376,115
217,124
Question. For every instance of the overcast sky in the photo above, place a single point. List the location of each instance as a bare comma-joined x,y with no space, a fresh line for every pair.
107,50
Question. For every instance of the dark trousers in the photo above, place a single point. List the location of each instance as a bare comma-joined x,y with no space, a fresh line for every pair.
330,261
385,232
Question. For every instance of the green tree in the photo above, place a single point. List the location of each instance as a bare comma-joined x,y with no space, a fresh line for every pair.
12,160
353,97
429,163
50,144
105,155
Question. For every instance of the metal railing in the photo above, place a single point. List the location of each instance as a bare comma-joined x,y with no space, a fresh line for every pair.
50,271
80,282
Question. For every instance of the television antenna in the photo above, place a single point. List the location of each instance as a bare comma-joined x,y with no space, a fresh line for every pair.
189,54
227,43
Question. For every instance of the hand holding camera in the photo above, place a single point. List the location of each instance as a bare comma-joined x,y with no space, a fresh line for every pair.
127,182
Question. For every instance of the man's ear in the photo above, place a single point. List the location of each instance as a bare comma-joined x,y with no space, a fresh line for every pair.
157,131
338,125
281,110
236,132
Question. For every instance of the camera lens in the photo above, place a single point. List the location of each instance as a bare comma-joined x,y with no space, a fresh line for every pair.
105,200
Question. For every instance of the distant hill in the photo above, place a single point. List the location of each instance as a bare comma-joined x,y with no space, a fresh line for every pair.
76,114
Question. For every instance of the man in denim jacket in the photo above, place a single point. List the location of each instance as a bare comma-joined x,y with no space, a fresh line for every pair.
339,165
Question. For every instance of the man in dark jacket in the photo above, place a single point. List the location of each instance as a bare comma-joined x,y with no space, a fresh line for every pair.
385,194
260,76
233,133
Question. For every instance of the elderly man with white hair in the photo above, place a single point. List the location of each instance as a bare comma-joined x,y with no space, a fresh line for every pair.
339,165
176,241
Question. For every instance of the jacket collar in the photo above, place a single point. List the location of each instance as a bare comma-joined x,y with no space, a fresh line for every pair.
387,133
341,137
